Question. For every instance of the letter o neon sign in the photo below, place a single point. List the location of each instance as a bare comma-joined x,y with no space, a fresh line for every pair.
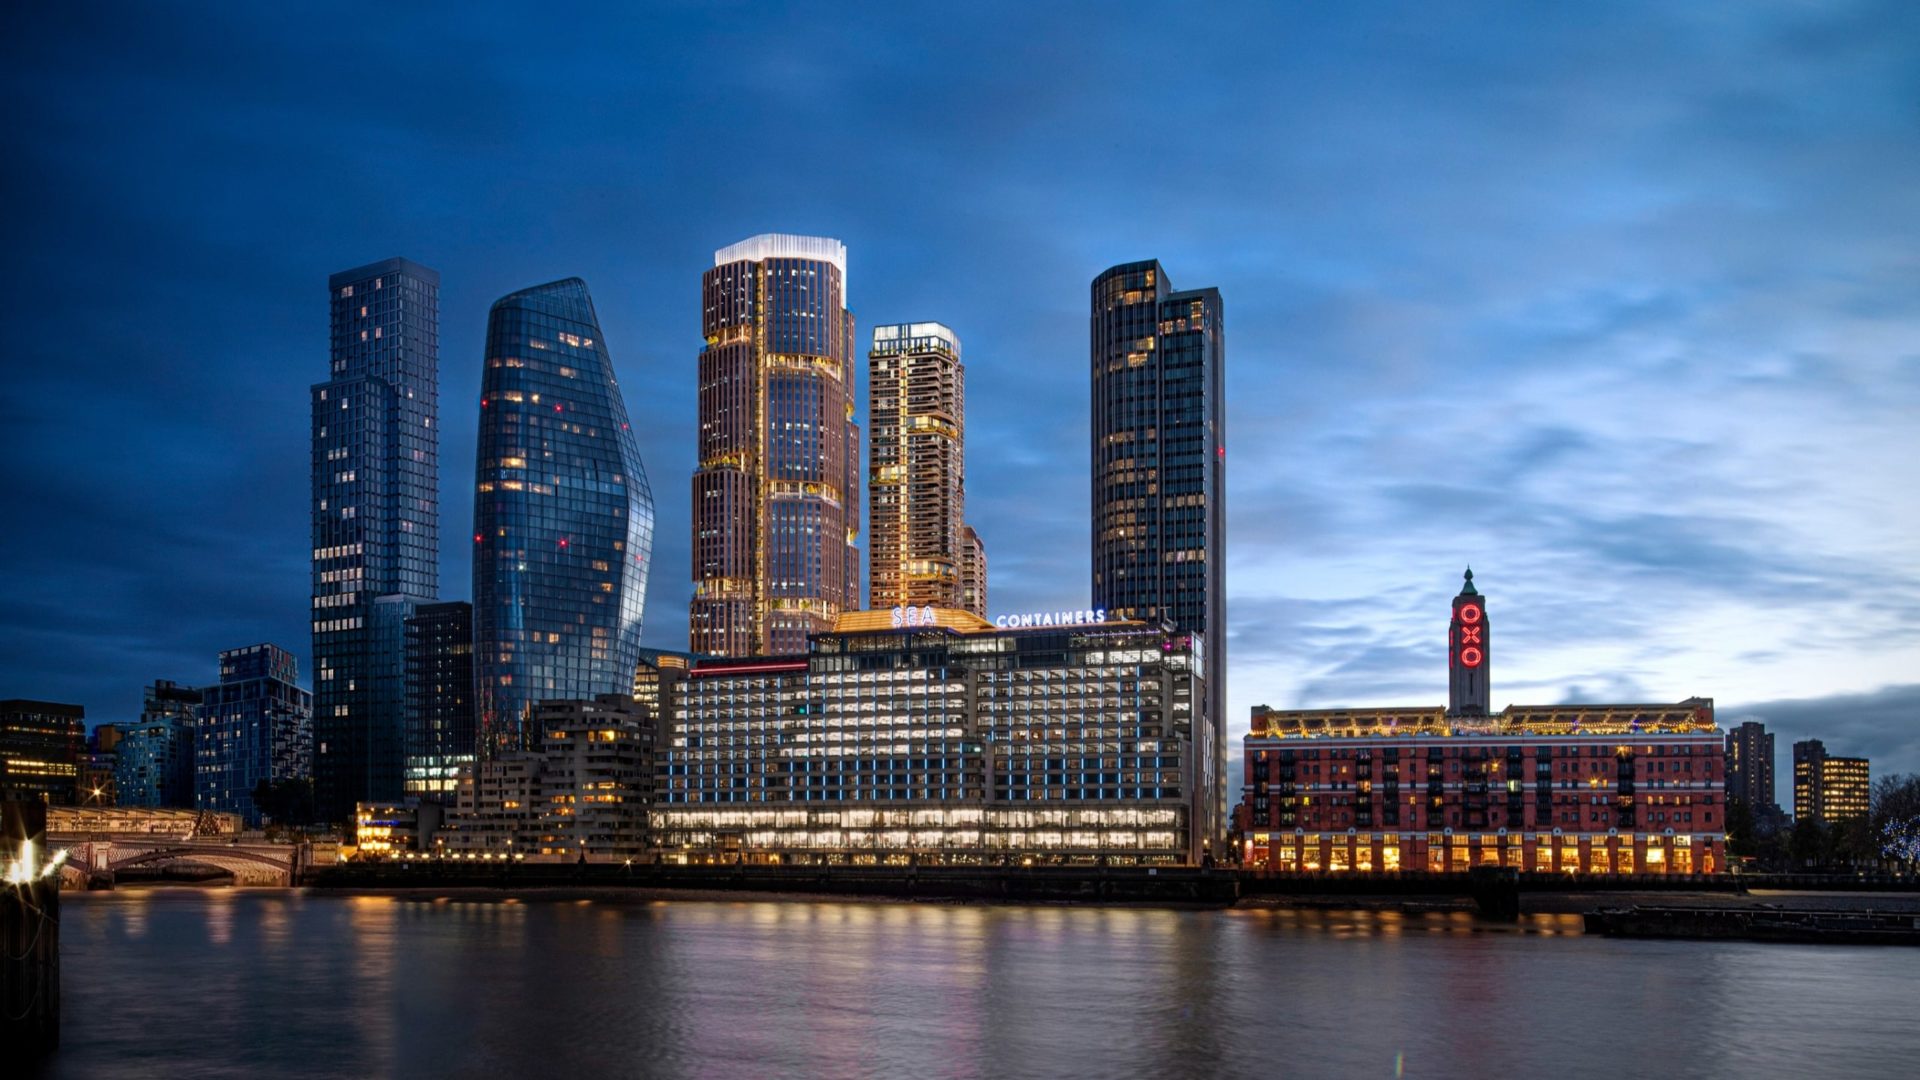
1471,656
1470,613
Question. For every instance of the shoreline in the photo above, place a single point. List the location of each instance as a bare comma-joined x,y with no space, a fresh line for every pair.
1534,903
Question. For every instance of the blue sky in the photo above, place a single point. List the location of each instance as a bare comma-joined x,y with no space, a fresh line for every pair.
1620,306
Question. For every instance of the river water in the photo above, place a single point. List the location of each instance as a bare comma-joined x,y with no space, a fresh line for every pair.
249,983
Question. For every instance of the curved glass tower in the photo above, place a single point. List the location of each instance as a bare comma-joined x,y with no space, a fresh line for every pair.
562,515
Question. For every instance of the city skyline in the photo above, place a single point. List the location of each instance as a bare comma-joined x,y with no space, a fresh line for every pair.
1665,410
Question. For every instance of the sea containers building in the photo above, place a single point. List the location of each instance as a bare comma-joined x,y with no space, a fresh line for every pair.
1626,788
927,735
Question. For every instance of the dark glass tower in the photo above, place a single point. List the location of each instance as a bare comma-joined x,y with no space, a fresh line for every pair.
562,515
440,721
376,521
1159,481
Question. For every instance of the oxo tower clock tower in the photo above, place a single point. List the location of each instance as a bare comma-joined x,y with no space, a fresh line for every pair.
1468,650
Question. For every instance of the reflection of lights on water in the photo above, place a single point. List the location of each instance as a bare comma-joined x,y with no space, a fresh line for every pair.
1400,1064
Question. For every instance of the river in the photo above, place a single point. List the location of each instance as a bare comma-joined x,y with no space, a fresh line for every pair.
250,983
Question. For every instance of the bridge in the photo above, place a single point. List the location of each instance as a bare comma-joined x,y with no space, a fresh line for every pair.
102,842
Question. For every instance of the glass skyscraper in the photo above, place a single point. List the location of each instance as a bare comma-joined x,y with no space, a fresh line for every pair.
154,759
376,521
562,515
255,724
776,496
1159,474
441,737
920,550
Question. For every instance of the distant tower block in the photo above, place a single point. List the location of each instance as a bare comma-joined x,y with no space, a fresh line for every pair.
1469,651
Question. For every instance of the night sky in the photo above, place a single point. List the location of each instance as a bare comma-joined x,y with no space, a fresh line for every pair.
1621,306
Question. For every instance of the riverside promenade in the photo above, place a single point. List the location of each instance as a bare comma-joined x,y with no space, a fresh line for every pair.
1498,894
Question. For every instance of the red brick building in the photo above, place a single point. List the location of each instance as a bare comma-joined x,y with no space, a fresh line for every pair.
1574,788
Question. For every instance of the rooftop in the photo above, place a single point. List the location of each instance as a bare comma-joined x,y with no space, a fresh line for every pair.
786,246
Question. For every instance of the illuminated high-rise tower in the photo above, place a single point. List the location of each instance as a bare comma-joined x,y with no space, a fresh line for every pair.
375,524
920,551
776,496
562,516
1159,479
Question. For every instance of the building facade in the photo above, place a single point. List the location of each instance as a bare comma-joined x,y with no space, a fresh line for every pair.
933,736
256,724
375,519
920,550
1750,766
1159,475
776,495
1630,788
43,746
581,793
1827,788
442,735
392,830
99,782
563,516
973,572
154,759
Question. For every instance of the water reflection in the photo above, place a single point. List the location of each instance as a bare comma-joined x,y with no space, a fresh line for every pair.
245,983
220,916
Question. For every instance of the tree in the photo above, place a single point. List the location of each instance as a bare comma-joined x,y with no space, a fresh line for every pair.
1807,845
1850,842
285,802
1740,838
1895,819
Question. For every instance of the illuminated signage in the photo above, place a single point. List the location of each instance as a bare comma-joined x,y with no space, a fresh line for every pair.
1024,620
913,616
1470,639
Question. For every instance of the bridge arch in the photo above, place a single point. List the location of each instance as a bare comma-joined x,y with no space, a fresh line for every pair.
240,862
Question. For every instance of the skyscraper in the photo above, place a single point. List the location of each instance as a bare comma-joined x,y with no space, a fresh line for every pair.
562,515
441,736
255,724
920,551
1750,766
154,759
1159,474
776,496
376,520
